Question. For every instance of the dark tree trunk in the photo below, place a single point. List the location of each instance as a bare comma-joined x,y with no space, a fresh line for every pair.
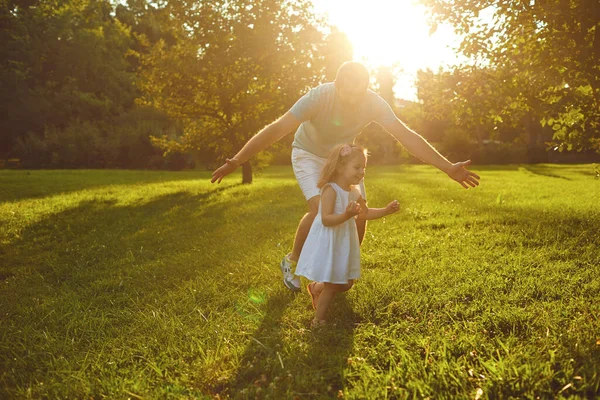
536,151
246,172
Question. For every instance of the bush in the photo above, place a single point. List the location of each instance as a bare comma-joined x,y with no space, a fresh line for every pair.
381,145
457,146
123,142
499,153
177,161
32,150
78,145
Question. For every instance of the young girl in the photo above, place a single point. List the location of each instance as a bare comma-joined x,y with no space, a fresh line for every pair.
331,254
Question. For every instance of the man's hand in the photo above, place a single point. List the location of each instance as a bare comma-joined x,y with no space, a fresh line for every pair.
230,165
353,209
460,174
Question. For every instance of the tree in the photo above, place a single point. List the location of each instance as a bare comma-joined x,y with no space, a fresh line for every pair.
62,62
551,50
383,148
68,83
236,66
336,50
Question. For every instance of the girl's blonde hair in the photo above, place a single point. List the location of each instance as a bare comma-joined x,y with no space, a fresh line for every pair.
339,156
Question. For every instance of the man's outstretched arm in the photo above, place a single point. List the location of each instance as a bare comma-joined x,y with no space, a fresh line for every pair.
257,143
421,148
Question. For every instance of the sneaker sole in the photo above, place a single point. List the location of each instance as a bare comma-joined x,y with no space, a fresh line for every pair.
288,284
291,287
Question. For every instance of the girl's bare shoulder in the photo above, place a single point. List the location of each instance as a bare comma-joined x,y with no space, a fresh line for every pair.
328,191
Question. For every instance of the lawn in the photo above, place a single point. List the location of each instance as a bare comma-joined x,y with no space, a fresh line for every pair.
133,284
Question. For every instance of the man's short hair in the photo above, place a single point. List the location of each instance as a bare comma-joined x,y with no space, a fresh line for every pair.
353,73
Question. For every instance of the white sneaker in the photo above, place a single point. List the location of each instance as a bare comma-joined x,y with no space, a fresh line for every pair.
290,281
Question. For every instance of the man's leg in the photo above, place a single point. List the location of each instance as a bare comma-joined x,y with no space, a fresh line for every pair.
288,264
307,168
361,224
304,227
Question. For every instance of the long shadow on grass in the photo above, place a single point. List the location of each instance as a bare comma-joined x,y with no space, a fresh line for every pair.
541,271
44,183
77,245
521,218
282,361
527,225
544,171
102,252
95,268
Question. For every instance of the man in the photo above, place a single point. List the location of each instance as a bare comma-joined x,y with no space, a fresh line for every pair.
328,115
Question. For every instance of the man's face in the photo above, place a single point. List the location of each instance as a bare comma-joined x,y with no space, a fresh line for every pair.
352,93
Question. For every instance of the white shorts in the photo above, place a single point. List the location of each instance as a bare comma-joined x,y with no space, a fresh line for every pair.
307,168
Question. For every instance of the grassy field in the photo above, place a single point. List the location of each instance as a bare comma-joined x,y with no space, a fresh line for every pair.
127,284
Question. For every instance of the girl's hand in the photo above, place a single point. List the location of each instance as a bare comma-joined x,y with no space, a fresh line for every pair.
392,207
353,209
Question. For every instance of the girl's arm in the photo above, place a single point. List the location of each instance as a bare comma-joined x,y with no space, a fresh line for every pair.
328,203
374,213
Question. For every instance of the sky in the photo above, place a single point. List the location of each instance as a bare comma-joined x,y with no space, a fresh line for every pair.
386,32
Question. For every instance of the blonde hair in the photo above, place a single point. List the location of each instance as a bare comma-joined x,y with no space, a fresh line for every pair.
339,156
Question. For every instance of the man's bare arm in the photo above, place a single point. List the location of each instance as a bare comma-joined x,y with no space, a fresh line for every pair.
421,148
257,143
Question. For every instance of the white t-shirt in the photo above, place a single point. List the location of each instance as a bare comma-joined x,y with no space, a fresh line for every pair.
327,123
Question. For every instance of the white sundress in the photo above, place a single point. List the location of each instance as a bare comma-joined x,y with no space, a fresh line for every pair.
332,253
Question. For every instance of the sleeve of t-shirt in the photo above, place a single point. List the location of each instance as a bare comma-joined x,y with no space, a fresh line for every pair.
308,105
382,112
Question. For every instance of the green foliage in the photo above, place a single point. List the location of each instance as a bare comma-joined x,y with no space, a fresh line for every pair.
479,105
73,72
63,62
240,67
122,142
545,56
68,76
160,285
382,147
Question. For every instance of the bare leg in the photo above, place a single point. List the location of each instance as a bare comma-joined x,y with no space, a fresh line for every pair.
361,224
304,227
319,286
326,297
361,227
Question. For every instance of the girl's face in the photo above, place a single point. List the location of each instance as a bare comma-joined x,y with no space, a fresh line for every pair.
354,170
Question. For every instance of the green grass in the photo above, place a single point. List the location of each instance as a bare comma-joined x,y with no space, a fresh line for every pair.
126,284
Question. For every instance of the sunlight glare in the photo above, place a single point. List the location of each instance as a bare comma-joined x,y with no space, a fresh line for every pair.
388,32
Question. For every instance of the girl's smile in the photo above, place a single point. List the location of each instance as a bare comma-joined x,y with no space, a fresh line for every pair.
354,171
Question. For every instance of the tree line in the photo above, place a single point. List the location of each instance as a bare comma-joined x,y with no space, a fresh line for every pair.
152,84
532,80
173,83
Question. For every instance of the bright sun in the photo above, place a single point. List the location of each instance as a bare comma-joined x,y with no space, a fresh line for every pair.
386,32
